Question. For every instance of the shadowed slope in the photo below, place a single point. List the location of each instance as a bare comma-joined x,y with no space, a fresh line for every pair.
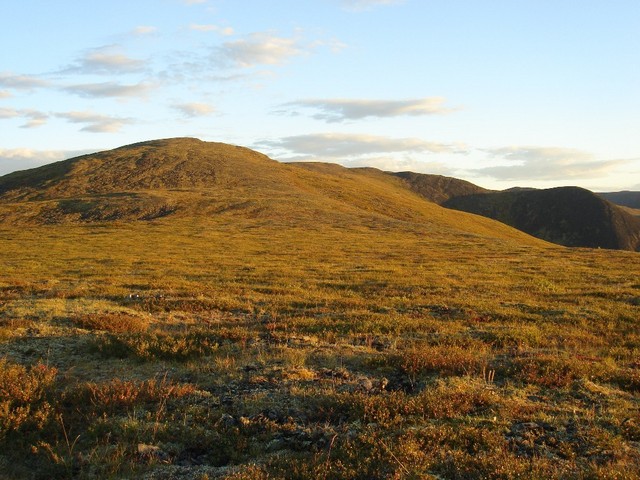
567,215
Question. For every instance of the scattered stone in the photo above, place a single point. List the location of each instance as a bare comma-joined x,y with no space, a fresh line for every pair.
227,421
527,427
365,384
276,444
149,452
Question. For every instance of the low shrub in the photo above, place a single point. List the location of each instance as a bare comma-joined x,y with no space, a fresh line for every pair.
112,322
25,396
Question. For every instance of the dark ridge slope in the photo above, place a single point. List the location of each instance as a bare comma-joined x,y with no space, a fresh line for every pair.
568,216
625,199
437,188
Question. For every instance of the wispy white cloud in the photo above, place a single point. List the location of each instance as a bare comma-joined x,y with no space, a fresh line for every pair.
34,118
95,122
8,113
546,163
144,30
110,89
5,94
106,60
338,110
194,109
21,82
362,5
225,31
355,150
261,48
340,145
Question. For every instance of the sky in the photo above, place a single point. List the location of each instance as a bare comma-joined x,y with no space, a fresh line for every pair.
503,93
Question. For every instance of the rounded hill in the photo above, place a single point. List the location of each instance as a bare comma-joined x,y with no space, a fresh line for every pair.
191,179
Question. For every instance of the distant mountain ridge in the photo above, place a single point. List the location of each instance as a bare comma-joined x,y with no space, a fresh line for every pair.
189,178
624,198
569,216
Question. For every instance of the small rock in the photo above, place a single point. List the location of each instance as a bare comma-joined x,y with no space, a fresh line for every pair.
227,420
365,384
527,427
151,451
272,415
276,444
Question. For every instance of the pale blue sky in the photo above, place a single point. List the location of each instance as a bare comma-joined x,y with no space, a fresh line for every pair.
499,92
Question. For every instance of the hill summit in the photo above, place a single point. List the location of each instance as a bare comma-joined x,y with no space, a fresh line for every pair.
141,181
176,163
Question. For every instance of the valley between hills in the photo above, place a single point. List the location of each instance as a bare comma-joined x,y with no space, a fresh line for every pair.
187,309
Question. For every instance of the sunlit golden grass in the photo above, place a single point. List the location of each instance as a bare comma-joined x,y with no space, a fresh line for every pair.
236,347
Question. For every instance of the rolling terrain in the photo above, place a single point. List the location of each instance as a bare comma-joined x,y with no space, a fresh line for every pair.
185,177
184,309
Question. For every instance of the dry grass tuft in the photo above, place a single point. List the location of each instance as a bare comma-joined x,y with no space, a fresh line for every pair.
112,322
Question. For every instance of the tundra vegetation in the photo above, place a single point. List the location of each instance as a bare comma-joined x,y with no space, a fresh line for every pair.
258,341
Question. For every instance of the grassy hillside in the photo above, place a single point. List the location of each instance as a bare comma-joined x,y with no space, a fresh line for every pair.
337,327
186,178
437,188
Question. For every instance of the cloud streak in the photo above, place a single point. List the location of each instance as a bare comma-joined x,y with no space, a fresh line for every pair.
194,109
546,163
95,122
225,31
144,30
260,48
34,118
363,5
105,61
21,82
110,89
339,110
339,145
